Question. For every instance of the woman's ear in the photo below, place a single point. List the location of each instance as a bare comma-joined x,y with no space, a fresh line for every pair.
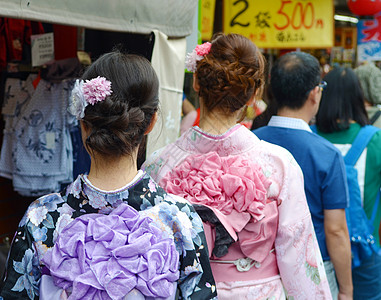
84,129
256,96
196,86
252,99
152,124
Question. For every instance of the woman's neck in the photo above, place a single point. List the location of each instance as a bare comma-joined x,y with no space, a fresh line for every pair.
112,174
215,122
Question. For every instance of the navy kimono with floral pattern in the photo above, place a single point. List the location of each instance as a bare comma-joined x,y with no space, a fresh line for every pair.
48,215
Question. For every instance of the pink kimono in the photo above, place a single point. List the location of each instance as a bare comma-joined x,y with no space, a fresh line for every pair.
250,195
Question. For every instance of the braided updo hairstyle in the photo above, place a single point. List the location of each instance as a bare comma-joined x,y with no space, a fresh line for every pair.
231,73
117,125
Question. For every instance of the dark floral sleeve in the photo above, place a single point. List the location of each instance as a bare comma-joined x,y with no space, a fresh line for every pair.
197,285
196,279
34,236
23,272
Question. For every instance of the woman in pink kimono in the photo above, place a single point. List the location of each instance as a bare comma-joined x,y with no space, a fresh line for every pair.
249,193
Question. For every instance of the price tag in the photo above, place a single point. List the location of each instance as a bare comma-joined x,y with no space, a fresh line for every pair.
42,48
50,140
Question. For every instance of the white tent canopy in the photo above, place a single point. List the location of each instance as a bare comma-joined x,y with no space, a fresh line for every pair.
171,17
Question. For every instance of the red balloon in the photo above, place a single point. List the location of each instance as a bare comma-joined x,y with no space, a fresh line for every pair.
364,7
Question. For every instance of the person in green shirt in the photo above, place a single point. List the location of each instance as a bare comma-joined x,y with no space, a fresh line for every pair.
340,117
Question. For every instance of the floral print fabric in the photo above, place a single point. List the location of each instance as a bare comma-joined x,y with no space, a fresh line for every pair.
107,256
296,260
49,215
225,183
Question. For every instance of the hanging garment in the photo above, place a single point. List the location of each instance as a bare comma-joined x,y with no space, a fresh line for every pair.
17,94
37,150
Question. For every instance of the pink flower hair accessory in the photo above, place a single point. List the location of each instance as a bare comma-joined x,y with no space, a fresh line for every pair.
88,92
196,55
96,89
203,49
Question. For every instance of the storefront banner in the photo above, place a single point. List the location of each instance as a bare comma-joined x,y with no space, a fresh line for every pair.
207,18
282,23
369,39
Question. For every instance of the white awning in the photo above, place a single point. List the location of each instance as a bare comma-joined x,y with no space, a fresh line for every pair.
172,17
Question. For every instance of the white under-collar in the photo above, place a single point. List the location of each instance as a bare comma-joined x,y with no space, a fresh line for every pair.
286,122
132,182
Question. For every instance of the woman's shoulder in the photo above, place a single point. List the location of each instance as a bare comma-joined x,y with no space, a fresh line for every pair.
163,160
277,164
273,148
39,209
153,158
276,154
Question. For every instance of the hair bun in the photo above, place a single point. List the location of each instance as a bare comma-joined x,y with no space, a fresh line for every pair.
117,124
231,73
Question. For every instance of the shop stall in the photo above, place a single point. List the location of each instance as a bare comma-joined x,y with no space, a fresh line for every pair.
80,30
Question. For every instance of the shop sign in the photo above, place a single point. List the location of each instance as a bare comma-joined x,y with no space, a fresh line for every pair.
369,39
281,23
207,18
42,48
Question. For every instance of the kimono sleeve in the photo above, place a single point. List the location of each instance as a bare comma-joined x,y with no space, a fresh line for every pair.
22,276
196,279
298,255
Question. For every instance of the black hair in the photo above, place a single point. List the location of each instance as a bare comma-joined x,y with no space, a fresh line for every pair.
293,76
118,124
342,101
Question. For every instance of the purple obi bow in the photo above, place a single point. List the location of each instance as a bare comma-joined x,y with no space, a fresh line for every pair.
106,256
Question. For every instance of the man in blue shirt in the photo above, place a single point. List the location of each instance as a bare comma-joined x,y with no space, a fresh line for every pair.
296,87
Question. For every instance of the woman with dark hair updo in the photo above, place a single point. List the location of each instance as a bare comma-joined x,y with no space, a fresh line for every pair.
249,193
342,119
114,233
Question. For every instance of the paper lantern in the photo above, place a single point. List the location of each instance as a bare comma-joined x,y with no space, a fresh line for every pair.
364,7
